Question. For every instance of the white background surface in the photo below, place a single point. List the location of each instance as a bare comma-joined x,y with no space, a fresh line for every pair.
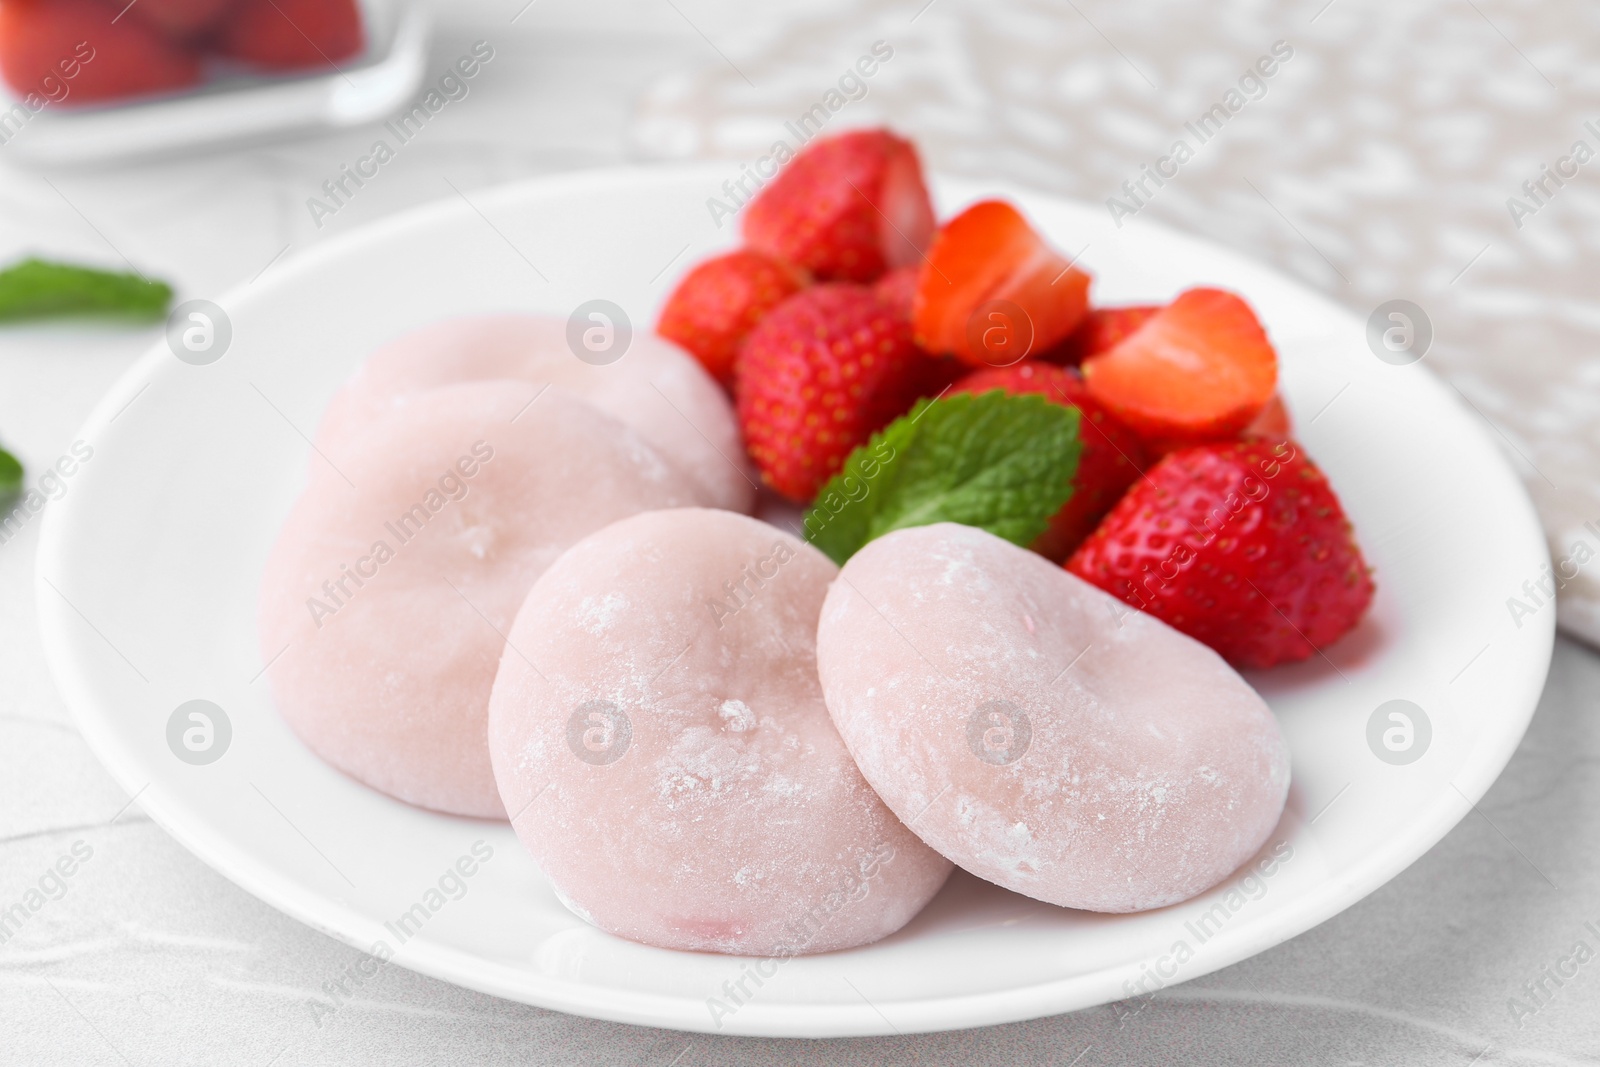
151,958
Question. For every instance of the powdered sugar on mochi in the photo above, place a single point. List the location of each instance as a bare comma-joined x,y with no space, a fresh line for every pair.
658,732
1041,734
658,389
401,567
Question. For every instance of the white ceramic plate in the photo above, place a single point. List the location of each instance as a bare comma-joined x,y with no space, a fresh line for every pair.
147,586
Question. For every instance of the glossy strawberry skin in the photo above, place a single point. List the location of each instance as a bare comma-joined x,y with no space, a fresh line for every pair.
846,208
1112,455
819,374
1241,545
898,290
720,301
1102,329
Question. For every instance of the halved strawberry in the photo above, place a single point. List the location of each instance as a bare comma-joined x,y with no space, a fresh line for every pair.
815,378
720,301
845,208
1200,369
292,34
1241,545
1102,329
1112,455
75,44
993,292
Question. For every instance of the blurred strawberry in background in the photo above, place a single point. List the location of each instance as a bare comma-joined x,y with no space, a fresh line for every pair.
184,20
72,52
291,34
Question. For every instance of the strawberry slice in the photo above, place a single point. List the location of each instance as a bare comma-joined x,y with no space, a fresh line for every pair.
292,34
992,291
720,301
1112,455
75,43
1241,545
1102,330
817,376
182,19
846,208
1200,369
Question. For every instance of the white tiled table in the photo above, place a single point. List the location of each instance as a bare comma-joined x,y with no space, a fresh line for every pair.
151,958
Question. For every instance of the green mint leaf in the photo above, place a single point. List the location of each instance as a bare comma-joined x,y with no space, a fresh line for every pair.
36,289
998,462
10,476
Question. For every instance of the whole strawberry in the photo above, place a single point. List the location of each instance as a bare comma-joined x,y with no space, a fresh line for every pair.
720,301
938,373
846,208
898,289
816,377
1111,459
1241,545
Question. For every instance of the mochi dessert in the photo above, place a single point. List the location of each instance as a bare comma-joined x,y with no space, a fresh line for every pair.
1040,733
661,742
655,388
385,601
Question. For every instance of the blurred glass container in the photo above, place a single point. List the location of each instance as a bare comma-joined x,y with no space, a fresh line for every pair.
234,106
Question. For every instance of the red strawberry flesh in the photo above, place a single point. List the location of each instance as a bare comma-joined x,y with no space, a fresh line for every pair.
993,292
1200,369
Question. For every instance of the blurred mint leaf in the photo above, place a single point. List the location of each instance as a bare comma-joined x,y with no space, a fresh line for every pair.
37,289
10,476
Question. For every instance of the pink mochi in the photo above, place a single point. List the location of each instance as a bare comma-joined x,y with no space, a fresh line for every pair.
660,740
1039,733
397,575
655,387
